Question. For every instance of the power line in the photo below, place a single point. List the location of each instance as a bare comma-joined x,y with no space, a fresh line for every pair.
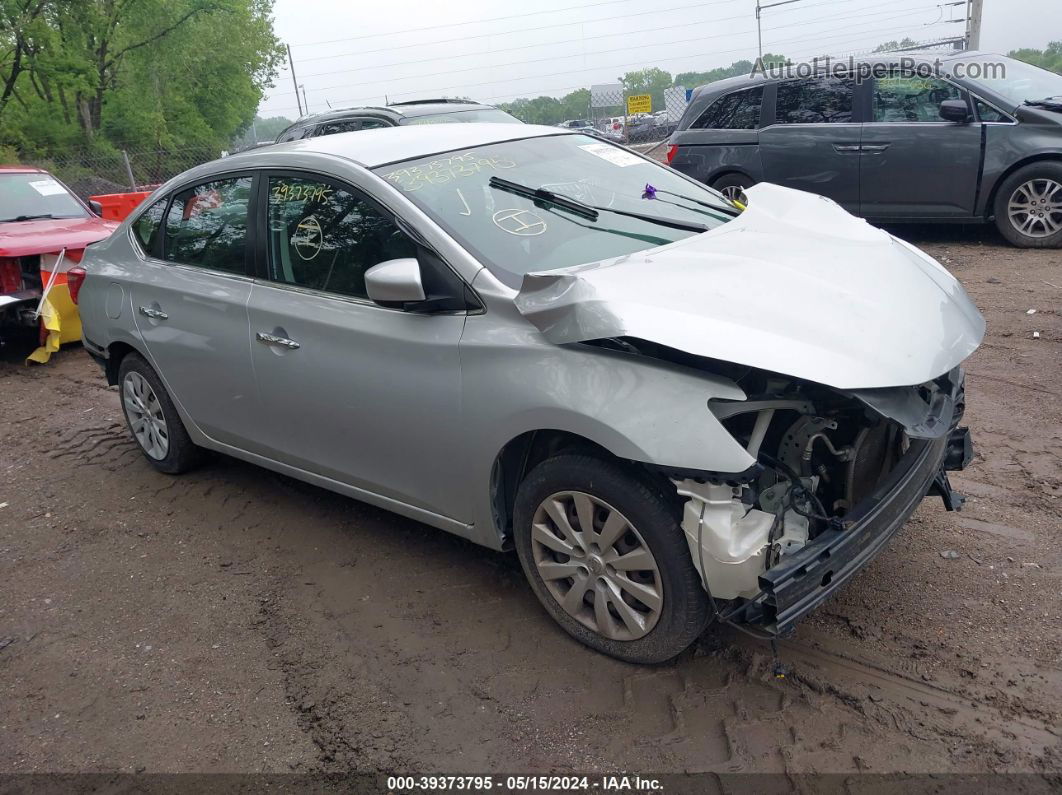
848,32
521,31
912,9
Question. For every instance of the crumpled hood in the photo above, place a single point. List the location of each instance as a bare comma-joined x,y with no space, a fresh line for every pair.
794,285
45,235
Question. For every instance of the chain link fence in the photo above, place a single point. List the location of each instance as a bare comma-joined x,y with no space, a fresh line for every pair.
122,171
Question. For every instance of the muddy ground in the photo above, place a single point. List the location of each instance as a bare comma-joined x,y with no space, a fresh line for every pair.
235,620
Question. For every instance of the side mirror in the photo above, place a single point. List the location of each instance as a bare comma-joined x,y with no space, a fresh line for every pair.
96,207
955,110
395,282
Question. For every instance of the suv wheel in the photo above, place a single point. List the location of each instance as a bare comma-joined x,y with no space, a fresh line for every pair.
152,419
733,187
1028,206
606,557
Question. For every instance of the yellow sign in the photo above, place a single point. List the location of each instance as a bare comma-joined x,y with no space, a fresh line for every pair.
639,103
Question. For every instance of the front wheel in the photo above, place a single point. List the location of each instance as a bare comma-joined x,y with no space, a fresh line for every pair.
1028,206
606,557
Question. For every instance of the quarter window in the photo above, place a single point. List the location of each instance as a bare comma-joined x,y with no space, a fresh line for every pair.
737,111
907,99
986,112
323,237
147,226
822,100
206,225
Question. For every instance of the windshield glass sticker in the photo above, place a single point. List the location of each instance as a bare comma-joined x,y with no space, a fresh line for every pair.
47,187
444,170
613,154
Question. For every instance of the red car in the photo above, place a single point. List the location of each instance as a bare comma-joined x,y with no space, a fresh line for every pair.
41,223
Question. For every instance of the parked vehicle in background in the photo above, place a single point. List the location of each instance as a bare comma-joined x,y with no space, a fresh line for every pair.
420,111
577,125
506,333
903,147
39,218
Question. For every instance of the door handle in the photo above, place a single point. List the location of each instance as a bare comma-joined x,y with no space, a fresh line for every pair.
846,147
154,314
273,339
875,149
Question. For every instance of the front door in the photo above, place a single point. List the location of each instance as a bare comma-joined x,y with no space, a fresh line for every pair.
362,394
190,305
813,142
913,163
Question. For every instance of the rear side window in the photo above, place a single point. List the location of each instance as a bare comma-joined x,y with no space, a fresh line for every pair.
324,238
737,111
146,227
206,225
350,125
821,100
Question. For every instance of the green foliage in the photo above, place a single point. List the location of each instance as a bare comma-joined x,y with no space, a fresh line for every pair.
893,46
648,81
89,78
1050,59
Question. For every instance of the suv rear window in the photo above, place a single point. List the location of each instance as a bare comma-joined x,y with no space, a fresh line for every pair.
737,111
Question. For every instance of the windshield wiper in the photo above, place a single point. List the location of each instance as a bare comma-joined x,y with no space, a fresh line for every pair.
37,217
588,211
1052,103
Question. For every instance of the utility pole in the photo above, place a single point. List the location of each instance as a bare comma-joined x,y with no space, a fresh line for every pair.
305,102
759,9
294,82
974,10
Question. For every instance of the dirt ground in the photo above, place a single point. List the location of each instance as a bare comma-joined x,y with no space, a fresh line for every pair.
235,620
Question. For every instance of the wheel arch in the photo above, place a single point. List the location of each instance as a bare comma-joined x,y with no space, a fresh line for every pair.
726,172
116,352
1042,157
523,452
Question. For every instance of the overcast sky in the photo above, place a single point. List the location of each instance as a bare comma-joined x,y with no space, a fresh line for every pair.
358,53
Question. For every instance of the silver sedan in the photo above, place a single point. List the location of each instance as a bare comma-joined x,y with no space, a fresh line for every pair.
674,408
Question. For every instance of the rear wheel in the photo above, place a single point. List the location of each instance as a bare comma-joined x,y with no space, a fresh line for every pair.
1028,206
733,187
152,418
606,557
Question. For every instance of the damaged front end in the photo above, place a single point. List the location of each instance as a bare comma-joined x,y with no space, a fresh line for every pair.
837,474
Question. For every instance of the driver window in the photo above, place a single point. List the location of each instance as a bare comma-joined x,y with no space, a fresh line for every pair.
324,237
907,98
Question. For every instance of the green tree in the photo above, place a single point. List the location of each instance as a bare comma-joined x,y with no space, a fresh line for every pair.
651,81
1050,59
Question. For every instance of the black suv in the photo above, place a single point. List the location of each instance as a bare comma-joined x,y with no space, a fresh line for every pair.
975,137
421,111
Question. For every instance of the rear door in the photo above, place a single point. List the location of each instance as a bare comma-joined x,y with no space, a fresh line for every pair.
914,164
365,395
812,143
723,139
190,305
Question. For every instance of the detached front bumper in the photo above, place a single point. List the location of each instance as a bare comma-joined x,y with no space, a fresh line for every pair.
802,581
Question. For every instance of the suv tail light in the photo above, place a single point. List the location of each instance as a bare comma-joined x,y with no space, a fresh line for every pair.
671,149
75,277
10,275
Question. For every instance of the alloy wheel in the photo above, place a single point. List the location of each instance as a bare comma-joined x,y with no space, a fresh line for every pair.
597,566
1035,208
734,193
144,412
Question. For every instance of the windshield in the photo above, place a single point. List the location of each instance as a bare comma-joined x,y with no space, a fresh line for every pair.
514,235
36,194
1017,81
466,116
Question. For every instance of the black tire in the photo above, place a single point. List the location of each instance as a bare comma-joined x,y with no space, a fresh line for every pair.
1036,173
182,454
733,181
684,611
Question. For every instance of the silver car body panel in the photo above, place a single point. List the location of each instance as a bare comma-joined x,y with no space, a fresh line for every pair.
794,285
410,412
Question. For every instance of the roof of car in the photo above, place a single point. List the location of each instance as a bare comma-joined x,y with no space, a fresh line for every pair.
374,148
22,170
397,110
